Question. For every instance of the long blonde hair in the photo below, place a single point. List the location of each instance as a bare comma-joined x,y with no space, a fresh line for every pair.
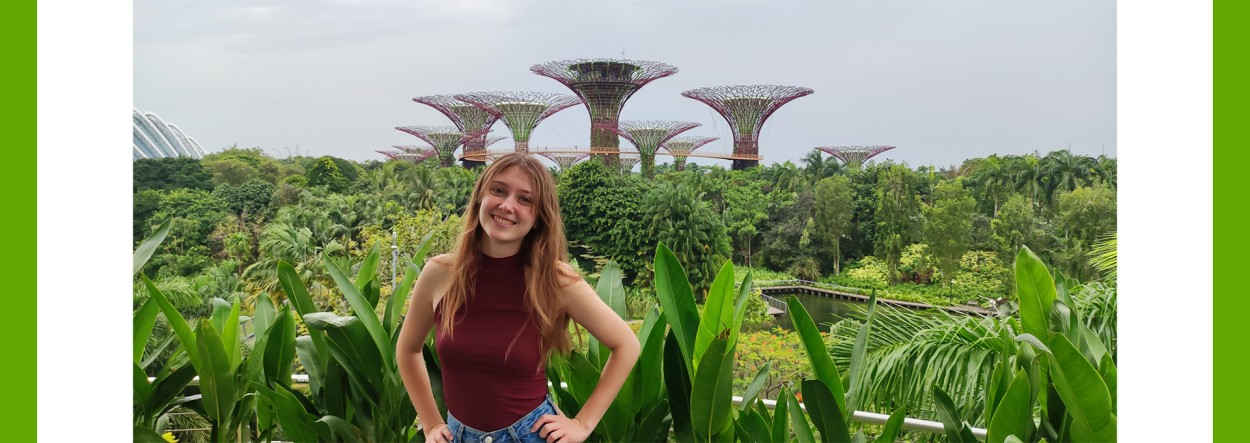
541,249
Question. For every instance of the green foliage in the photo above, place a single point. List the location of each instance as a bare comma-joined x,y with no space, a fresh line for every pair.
160,174
779,348
602,209
898,215
834,209
673,216
917,265
744,208
192,215
326,173
250,198
981,275
1018,224
948,227
868,272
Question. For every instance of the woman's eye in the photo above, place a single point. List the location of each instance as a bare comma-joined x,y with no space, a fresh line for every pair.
525,200
496,190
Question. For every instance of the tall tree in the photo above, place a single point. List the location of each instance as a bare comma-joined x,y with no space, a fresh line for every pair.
834,209
991,179
326,173
744,209
675,216
171,173
948,227
1065,172
898,215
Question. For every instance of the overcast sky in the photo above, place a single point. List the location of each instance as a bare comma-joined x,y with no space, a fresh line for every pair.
941,80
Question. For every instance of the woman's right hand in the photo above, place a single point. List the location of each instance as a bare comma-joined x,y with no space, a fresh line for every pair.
440,433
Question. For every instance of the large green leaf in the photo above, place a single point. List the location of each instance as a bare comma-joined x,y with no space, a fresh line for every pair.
265,313
230,334
817,354
145,435
1036,291
859,350
364,312
582,378
369,267
711,395
718,311
149,245
677,380
752,427
649,371
1108,372
798,420
655,424
740,312
142,388
144,321
611,290
956,429
781,418
673,289
280,348
217,383
757,383
303,304
892,427
399,296
307,353
1014,414
351,347
176,321
1083,391
823,410
297,424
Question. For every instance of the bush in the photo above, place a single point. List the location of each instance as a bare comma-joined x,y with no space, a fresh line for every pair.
982,275
869,271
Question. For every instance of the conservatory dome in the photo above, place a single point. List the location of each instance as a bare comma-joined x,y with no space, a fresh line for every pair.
154,138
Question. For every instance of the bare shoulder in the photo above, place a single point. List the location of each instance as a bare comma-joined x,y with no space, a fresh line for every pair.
567,276
434,278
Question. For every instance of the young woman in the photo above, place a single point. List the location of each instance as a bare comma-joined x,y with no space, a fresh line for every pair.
502,300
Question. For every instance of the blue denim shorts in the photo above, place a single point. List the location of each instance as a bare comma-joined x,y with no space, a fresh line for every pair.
518,432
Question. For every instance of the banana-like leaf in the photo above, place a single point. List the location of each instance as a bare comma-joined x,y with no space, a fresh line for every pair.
583,376
648,374
823,410
369,268
711,395
144,321
1036,291
265,313
398,297
611,290
296,422
817,353
752,427
280,349
339,429
655,424
956,429
740,312
142,388
307,353
230,335
1014,415
781,418
860,349
1030,339
351,347
176,321
673,289
757,383
1084,394
364,313
217,377
298,295
1012,439
149,245
718,312
892,427
145,435
423,249
1108,372
798,420
677,379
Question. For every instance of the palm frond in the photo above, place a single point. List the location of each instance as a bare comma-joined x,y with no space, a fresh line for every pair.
1103,257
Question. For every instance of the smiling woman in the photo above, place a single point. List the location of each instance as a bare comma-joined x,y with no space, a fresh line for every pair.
502,302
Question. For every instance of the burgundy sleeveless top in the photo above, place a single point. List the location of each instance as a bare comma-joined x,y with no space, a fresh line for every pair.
486,385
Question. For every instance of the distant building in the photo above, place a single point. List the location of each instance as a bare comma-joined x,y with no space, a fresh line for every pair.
154,138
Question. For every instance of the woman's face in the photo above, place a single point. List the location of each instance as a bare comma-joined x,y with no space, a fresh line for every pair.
507,213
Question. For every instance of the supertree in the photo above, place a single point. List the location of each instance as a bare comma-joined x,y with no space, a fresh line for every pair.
520,111
444,139
647,136
564,160
746,108
605,85
410,153
854,156
682,146
481,155
627,160
468,118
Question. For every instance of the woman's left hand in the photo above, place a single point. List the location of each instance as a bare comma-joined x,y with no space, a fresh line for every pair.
558,428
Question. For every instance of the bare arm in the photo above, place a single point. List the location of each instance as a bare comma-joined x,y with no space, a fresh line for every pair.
587,309
408,350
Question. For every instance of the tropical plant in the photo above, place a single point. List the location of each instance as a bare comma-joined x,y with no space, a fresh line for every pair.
677,218
948,226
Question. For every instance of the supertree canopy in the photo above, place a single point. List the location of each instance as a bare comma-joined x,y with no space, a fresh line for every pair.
682,146
467,117
520,111
564,160
445,139
854,156
746,108
648,135
410,153
604,84
627,161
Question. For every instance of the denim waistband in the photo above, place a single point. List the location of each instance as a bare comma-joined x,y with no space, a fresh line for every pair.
518,432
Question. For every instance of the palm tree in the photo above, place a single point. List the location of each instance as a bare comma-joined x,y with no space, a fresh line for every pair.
1105,170
1026,177
1065,172
991,177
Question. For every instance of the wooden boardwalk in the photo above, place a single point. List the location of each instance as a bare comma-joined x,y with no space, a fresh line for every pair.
792,289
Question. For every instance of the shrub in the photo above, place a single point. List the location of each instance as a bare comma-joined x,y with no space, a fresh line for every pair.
869,272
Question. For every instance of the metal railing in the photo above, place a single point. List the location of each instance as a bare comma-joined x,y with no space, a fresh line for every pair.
847,289
773,302
911,424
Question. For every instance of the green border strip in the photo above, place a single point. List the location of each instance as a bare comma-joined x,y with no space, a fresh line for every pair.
19,373
1228,184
